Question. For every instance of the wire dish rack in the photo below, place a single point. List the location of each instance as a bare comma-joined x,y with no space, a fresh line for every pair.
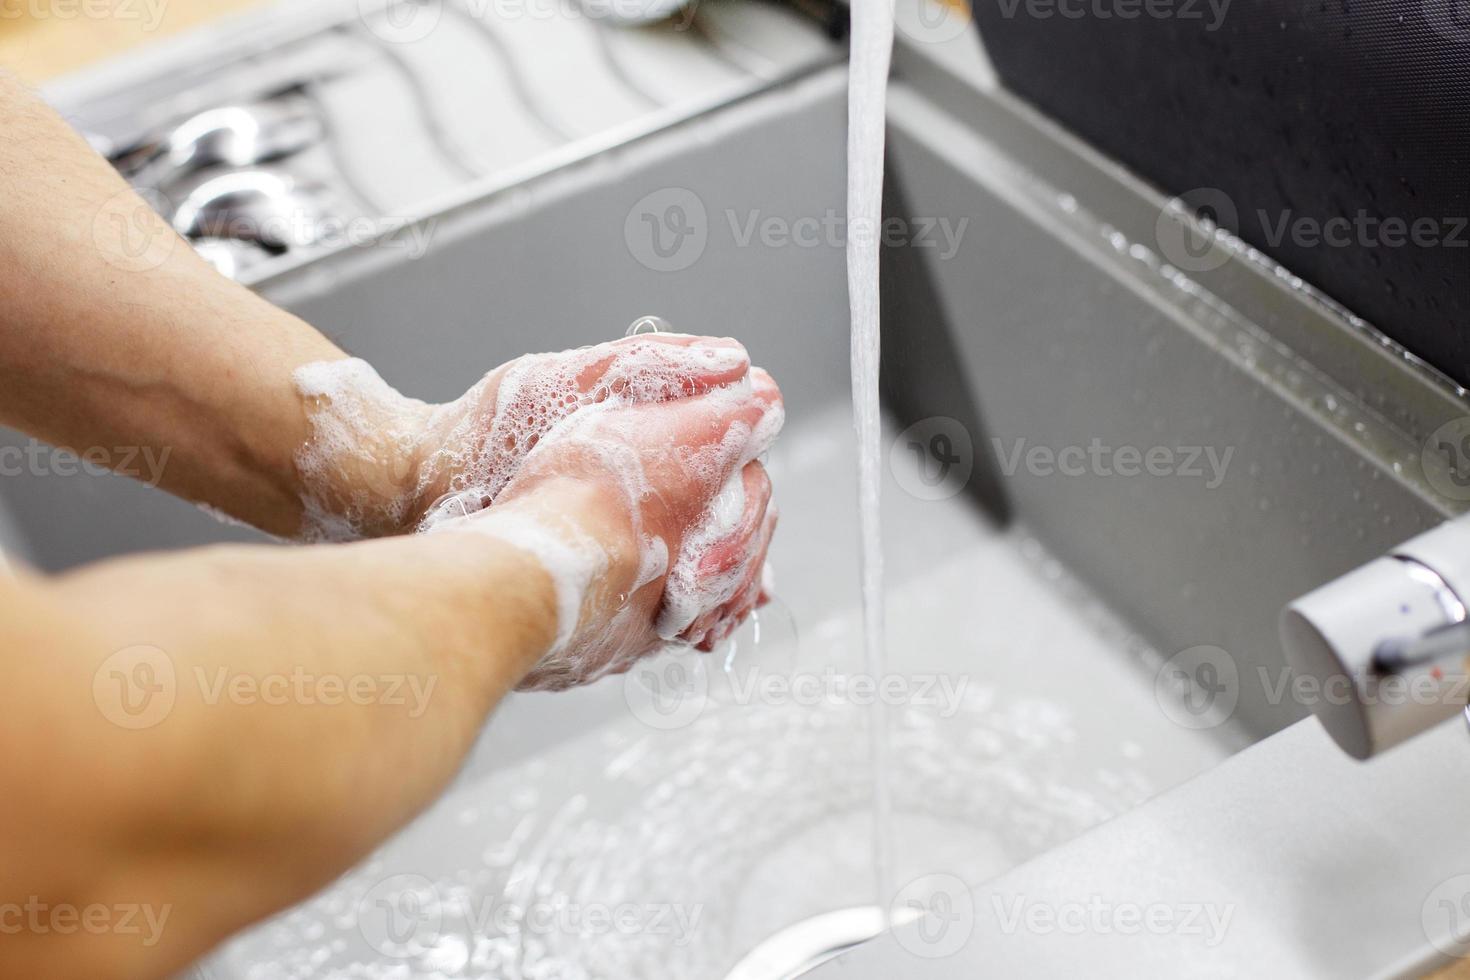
314,130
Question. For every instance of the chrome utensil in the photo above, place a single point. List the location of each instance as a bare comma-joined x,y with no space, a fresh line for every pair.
265,205
240,135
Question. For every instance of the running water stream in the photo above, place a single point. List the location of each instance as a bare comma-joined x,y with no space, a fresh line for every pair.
871,47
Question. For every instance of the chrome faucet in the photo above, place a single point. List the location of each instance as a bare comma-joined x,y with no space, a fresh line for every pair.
1388,644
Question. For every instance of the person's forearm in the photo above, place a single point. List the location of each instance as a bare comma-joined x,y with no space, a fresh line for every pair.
239,725
117,336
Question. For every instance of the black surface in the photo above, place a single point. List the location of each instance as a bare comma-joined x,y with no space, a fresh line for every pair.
1293,110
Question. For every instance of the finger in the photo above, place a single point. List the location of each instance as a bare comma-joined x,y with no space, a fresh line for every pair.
765,390
548,387
720,624
704,441
752,417
734,551
660,367
762,381
727,573
749,595
754,594
723,629
522,401
718,568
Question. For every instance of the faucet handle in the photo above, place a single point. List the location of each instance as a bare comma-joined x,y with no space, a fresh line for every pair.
1385,649
1440,645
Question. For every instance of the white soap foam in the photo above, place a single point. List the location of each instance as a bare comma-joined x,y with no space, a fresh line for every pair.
360,424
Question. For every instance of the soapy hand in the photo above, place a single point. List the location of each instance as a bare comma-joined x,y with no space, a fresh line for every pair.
377,461
653,520
627,469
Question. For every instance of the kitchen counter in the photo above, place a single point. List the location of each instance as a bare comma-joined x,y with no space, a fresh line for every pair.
41,39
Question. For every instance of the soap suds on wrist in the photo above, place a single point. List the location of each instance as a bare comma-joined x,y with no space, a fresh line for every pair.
361,427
